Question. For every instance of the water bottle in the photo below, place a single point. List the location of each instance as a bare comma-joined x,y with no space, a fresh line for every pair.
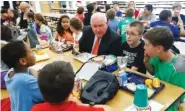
37,47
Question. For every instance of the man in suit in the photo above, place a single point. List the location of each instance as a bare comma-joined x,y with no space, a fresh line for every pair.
98,38
25,8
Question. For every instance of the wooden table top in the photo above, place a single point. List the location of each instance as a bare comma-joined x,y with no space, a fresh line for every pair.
122,99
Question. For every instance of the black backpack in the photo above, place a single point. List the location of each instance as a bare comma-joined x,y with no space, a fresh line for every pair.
100,88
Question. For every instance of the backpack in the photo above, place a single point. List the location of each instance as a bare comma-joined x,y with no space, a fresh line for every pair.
59,47
100,88
15,32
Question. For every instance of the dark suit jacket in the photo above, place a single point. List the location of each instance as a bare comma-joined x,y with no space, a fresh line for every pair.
23,22
110,42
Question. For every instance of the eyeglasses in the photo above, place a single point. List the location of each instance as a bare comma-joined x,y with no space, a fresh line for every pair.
179,8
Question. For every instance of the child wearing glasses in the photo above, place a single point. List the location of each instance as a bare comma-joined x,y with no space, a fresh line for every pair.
134,47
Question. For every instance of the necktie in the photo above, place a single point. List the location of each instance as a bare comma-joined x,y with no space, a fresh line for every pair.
96,46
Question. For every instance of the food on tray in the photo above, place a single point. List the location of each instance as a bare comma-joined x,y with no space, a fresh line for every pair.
131,86
98,59
148,83
39,52
156,82
150,92
44,44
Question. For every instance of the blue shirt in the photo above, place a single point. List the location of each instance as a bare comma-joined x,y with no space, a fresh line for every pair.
174,29
113,24
119,14
23,90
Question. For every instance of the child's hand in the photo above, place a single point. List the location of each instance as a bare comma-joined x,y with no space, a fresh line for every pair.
74,99
146,58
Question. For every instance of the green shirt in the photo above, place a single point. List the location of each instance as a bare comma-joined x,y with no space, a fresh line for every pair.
172,72
122,26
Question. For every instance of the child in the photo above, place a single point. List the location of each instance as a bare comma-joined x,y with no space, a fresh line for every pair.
14,17
6,36
32,33
165,19
132,5
80,14
133,47
76,27
42,24
21,84
30,20
87,18
147,16
160,61
112,22
118,11
122,26
4,17
56,82
63,30
177,16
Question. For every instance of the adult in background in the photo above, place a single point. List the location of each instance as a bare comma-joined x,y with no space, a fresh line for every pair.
177,18
98,38
25,8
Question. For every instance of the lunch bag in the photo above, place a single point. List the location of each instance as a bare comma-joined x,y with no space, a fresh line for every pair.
100,88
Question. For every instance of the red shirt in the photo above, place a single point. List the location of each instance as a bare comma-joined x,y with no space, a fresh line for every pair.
67,106
136,13
80,17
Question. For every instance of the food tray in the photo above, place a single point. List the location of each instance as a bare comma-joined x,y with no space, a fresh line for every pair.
139,79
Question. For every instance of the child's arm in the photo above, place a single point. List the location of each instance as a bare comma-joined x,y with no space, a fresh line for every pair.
147,64
134,68
34,90
105,107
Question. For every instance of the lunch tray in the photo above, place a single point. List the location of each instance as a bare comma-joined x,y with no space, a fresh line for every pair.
139,79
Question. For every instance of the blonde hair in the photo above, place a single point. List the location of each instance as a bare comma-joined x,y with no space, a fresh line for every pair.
24,5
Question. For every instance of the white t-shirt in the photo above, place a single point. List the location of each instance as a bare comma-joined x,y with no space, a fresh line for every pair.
77,36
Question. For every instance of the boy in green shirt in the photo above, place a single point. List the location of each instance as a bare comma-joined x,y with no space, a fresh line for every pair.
122,26
161,62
